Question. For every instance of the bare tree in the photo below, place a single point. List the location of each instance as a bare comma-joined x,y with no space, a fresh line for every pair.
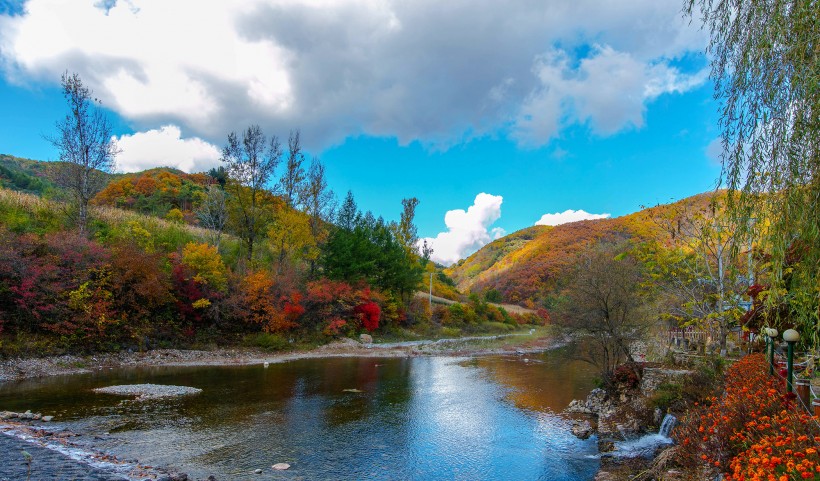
605,302
251,163
84,141
213,212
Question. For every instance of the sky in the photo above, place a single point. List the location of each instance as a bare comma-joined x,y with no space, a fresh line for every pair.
496,115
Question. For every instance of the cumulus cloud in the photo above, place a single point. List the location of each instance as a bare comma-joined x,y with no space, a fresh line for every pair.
413,70
165,147
567,216
608,91
467,231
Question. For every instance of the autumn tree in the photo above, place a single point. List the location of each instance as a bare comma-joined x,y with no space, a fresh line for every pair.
319,204
605,302
766,71
290,234
701,269
251,163
85,144
406,230
292,183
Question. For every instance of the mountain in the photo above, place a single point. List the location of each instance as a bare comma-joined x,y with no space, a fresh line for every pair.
527,267
25,175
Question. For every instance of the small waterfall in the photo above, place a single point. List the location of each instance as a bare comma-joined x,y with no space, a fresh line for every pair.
645,446
669,422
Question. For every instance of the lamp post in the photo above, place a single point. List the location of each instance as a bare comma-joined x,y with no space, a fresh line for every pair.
771,333
790,336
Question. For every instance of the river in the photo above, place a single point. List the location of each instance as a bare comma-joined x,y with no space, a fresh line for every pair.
420,418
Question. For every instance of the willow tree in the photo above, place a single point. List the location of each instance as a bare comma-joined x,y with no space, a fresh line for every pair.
767,75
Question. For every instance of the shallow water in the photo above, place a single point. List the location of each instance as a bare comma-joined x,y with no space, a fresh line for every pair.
415,418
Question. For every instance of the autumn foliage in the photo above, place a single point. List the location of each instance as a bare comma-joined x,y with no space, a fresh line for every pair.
753,432
267,306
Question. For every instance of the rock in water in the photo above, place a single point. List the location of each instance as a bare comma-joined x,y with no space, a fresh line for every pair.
351,390
281,466
257,471
366,339
581,430
46,419
148,391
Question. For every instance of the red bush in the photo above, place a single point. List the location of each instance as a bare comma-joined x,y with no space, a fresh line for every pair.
369,313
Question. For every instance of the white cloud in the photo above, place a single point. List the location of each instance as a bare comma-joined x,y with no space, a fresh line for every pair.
336,68
467,231
715,151
567,216
165,147
608,90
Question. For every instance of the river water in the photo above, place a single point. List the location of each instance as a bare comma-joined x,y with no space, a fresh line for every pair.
423,418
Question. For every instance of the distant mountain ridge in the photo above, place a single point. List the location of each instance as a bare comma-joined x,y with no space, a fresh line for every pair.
527,267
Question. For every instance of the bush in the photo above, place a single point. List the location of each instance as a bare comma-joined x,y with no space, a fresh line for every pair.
450,332
667,396
267,341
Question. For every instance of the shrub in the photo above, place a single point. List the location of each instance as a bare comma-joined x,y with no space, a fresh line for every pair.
267,341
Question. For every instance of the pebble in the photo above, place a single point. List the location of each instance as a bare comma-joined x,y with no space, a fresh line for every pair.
281,466
257,471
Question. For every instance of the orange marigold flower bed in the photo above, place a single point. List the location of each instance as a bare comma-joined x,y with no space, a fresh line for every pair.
753,431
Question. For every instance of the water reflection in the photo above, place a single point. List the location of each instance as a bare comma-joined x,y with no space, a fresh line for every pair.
420,418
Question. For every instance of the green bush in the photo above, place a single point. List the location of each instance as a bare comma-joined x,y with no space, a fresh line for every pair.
267,341
450,332
667,396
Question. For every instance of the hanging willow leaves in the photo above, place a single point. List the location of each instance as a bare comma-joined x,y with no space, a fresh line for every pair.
765,67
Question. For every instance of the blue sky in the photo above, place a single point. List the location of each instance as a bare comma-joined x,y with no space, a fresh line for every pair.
493,114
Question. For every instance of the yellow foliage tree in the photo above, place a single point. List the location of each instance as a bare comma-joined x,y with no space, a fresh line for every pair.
291,237
206,263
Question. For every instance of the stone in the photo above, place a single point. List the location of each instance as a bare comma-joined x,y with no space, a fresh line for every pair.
577,406
47,419
366,339
605,476
581,430
257,471
606,446
36,417
281,466
654,377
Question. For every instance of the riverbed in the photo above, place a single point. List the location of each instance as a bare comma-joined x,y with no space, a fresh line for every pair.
493,417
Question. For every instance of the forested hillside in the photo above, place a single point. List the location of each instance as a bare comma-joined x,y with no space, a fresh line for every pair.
175,259
529,267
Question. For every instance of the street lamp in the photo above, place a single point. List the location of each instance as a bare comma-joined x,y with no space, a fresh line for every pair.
790,336
771,333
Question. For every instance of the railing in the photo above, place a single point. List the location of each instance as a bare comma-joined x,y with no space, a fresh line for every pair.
687,337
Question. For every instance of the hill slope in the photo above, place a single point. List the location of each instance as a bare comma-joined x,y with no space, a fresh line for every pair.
527,266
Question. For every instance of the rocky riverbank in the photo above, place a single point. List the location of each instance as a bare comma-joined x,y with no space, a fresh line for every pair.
627,426
32,450
22,368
